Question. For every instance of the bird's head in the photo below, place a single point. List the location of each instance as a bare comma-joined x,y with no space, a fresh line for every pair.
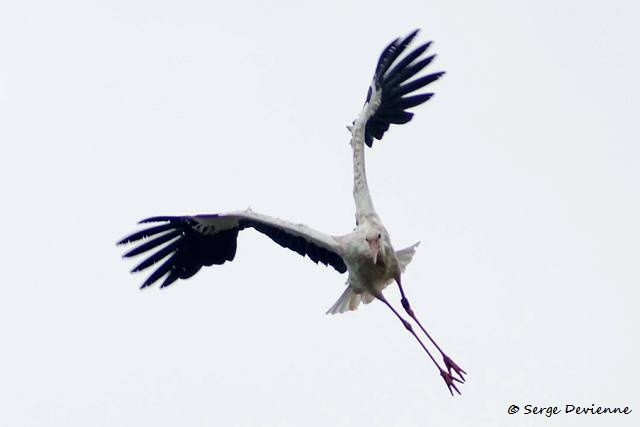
373,238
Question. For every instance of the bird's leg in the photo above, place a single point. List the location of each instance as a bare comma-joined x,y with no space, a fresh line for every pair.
450,364
448,379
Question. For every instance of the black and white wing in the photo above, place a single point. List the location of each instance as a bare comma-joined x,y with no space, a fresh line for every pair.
185,244
393,91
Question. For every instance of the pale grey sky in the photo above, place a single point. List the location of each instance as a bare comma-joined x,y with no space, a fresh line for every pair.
520,178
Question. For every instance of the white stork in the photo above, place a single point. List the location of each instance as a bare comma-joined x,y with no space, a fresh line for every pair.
187,243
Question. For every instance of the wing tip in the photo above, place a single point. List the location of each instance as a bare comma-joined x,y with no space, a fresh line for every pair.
395,77
123,241
160,219
412,34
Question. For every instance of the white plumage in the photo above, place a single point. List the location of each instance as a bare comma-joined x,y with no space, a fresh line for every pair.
184,244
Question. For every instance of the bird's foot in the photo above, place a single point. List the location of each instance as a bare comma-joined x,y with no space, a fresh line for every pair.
449,380
450,364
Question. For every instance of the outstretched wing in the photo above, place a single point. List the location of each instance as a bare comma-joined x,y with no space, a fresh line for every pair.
393,91
187,243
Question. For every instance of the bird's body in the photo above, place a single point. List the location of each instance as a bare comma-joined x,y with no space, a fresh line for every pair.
184,244
367,277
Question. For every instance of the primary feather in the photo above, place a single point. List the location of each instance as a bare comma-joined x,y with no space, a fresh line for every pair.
392,92
187,243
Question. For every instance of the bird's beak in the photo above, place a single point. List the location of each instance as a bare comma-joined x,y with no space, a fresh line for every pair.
374,246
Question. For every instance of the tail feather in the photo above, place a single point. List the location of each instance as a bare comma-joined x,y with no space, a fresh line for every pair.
349,301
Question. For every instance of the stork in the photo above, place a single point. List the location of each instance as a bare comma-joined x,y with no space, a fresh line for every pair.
184,244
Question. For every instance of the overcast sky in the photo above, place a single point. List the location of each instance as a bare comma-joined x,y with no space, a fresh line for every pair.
520,178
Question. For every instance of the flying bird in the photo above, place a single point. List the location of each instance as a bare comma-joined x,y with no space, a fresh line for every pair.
177,247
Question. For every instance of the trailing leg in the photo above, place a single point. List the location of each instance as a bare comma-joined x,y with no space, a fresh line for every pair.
448,379
450,364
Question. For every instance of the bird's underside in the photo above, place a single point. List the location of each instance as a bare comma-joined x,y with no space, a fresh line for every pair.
177,247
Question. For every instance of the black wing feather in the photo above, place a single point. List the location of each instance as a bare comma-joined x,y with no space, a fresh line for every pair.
409,58
184,248
298,244
155,257
190,250
411,101
405,73
391,78
383,60
153,243
392,51
148,232
415,84
399,118
171,277
166,267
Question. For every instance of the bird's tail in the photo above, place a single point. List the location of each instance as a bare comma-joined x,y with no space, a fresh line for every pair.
349,301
